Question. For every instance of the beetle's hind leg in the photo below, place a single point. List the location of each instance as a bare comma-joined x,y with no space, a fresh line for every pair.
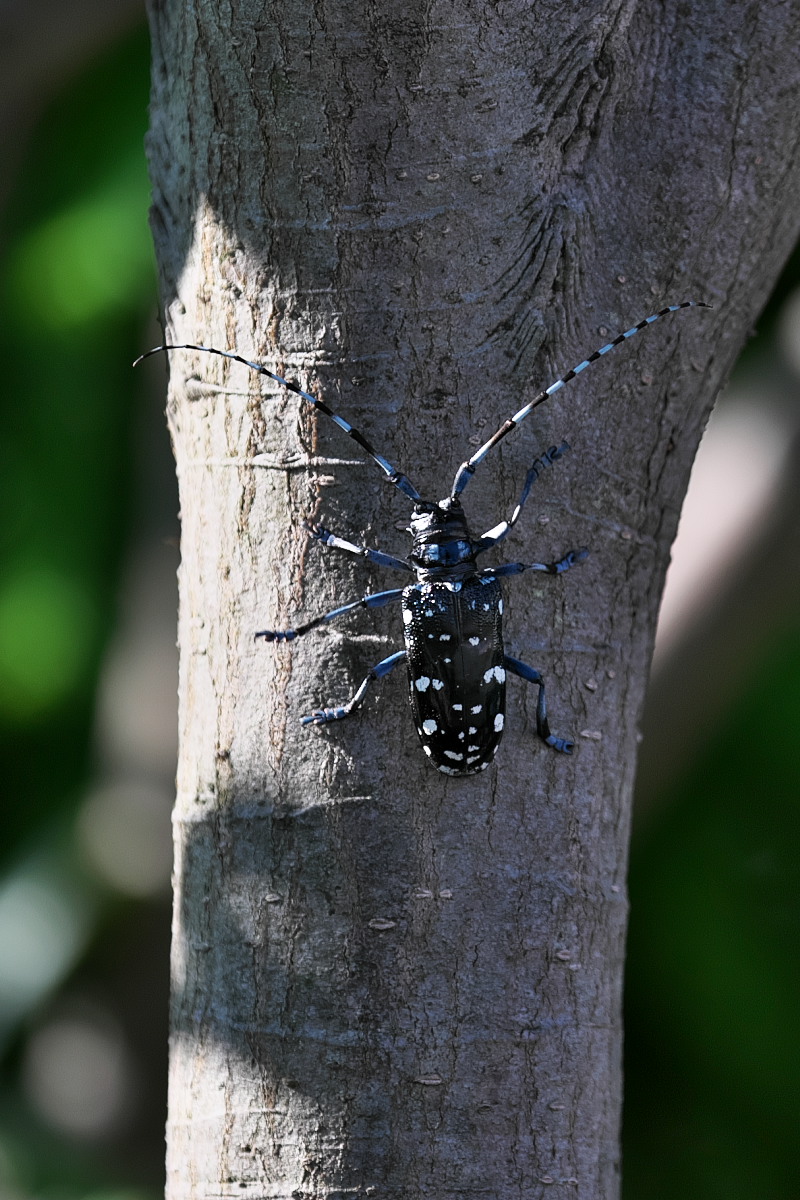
323,715
542,724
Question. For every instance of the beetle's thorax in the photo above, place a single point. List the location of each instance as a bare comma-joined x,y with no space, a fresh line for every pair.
442,545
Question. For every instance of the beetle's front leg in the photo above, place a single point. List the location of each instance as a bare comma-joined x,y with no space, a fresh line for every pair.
323,715
376,556
542,724
495,535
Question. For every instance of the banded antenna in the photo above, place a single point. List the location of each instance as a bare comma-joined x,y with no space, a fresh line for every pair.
395,477
467,469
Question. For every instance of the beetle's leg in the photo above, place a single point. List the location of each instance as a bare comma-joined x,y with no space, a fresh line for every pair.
542,725
323,715
495,535
374,600
555,568
377,556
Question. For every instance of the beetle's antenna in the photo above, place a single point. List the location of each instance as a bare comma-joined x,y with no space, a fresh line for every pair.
400,481
467,469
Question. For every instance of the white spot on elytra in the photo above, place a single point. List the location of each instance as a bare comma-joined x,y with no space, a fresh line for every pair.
499,722
438,685
444,637
497,673
473,757
447,770
461,736
486,608
447,660
474,641
457,707
408,616
477,708
473,729
428,612
422,684
427,750
429,727
452,754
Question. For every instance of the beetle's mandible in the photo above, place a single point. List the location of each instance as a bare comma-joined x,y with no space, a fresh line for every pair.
452,612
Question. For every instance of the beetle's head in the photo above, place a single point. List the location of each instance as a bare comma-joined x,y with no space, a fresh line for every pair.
441,537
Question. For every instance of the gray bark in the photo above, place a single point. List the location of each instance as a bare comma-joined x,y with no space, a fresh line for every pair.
388,982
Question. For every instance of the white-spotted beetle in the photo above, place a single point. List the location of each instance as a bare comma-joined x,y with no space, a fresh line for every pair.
452,613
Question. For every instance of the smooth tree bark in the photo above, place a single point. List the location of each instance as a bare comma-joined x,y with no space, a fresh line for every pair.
388,982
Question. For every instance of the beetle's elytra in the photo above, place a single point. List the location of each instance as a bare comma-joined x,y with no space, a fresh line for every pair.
453,611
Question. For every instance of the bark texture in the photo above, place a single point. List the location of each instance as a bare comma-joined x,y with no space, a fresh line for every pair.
388,982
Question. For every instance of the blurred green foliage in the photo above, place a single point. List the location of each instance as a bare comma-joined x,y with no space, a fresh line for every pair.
77,283
712,1046
712,1037
76,280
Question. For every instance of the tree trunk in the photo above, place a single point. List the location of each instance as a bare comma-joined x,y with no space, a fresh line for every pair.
388,982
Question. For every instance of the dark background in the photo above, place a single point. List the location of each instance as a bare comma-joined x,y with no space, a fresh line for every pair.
88,554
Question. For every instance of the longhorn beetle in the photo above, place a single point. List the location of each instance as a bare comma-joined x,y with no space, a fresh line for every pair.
452,613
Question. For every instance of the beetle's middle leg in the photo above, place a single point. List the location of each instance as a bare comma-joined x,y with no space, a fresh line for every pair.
542,724
373,600
554,568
